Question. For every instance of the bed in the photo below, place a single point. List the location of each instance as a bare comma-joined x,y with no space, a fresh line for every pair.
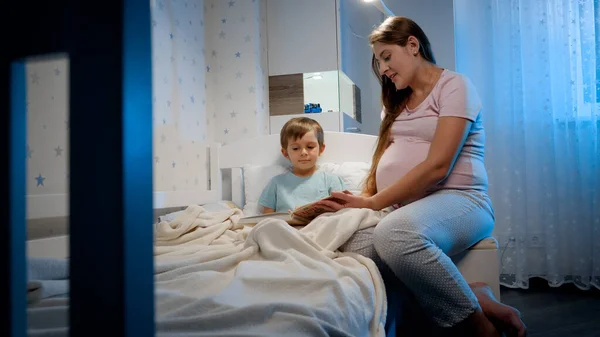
263,279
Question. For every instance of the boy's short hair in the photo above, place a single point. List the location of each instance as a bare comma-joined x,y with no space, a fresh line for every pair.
297,127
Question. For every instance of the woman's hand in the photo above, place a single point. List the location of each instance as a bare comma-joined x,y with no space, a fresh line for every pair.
347,200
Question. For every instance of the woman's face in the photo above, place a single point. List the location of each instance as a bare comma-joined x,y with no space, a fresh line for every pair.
396,62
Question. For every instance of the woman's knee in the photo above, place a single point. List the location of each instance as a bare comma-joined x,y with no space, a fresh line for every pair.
361,243
398,236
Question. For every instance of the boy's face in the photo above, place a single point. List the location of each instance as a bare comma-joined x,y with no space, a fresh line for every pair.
303,152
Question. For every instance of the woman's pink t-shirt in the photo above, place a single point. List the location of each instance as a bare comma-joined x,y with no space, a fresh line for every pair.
412,134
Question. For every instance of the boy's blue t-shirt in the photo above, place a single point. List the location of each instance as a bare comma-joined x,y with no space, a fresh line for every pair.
288,191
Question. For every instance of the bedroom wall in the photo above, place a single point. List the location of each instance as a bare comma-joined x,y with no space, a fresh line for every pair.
47,141
357,19
203,92
179,96
236,68
436,18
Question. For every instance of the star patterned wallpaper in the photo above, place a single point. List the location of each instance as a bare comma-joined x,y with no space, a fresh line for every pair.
47,126
236,68
179,95
209,85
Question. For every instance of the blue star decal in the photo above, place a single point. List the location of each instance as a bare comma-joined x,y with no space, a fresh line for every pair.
192,99
222,35
214,53
233,113
29,152
243,19
180,80
164,121
171,36
169,104
226,131
207,69
238,74
173,164
56,71
238,54
40,180
247,38
223,20
231,3
58,151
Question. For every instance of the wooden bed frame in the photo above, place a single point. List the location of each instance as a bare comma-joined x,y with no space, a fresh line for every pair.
479,263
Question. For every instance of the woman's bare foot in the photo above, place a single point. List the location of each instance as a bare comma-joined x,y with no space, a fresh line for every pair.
476,325
506,318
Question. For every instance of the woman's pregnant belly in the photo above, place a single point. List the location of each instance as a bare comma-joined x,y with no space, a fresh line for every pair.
398,159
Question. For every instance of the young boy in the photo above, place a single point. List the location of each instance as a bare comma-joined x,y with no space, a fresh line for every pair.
302,142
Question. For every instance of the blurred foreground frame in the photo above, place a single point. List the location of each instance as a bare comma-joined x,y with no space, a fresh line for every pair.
108,46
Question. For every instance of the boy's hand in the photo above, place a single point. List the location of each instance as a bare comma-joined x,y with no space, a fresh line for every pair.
348,200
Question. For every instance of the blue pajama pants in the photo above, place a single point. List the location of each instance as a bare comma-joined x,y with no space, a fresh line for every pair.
414,243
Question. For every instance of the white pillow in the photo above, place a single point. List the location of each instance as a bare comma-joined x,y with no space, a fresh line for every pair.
257,177
353,174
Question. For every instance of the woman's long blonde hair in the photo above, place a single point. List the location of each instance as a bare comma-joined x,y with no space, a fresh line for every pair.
394,30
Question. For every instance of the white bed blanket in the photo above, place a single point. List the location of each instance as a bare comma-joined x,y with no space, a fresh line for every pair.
215,277
218,278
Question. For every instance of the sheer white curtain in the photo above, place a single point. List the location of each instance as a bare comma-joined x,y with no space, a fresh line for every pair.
536,65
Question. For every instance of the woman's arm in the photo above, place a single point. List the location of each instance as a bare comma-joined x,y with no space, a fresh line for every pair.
448,140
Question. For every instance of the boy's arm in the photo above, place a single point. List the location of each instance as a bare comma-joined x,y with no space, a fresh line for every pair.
268,197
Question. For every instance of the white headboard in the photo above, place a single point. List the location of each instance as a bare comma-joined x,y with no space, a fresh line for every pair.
266,150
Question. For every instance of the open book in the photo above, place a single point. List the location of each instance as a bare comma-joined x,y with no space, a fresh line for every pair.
300,216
